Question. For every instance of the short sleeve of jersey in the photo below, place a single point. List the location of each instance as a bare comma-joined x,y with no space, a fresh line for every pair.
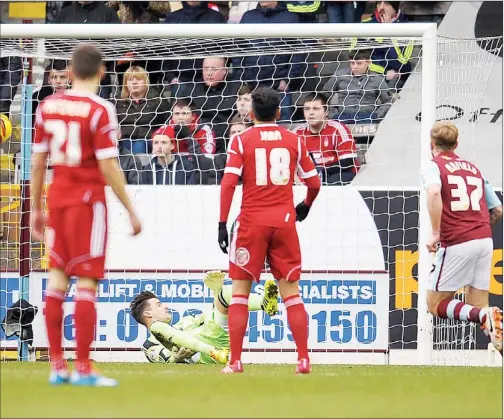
234,162
346,148
40,140
431,175
305,166
491,197
104,126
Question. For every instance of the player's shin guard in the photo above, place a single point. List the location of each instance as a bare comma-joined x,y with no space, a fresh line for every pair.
298,322
85,321
54,324
458,310
238,320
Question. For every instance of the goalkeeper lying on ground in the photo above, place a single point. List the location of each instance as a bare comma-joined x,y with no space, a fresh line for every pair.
202,338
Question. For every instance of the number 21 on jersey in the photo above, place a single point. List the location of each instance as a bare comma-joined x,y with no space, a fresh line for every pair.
279,166
64,133
462,200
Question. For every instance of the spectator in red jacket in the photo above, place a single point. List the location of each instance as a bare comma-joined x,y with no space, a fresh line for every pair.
184,125
330,143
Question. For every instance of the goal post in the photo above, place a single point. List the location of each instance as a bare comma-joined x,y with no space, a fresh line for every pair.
57,42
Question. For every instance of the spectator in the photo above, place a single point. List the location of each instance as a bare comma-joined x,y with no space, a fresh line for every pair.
282,72
10,77
244,102
140,110
393,62
237,125
166,168
341,12
238,8
53,10
307,11
184,124
92,12
359,90
140,11
330,143
56,79
214,98
130,164
178,72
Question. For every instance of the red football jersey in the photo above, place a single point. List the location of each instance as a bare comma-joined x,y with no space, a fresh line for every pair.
266,156
465,213
333,143
77,129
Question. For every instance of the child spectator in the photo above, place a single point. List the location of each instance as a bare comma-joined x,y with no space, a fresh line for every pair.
56,79
140,110
330,143
237,125
359,91
244,102
166,168
184,125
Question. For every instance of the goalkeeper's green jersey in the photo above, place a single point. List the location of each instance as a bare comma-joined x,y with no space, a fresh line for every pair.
203,327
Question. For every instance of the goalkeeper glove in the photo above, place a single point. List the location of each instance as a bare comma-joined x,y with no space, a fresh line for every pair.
302,211
223,236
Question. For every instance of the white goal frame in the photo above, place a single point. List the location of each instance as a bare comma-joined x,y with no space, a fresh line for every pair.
426,31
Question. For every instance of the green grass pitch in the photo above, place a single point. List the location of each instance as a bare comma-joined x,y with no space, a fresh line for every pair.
266,391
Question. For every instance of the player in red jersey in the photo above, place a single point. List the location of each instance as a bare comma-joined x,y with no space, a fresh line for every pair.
266,157
330,143
77,130
462,206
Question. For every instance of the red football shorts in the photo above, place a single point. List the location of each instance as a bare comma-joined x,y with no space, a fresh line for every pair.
251,244
77,238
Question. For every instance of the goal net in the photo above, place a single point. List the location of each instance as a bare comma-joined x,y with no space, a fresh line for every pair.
360,243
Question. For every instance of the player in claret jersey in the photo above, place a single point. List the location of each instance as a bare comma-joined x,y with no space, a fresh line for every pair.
77,131
266,157
462,206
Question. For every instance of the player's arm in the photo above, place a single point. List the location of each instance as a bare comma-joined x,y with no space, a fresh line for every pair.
494,204
431,178
308,174
40,150
232,173
106,153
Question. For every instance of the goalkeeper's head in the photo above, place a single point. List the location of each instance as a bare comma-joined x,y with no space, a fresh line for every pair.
86,68
265,106
147,309
444,137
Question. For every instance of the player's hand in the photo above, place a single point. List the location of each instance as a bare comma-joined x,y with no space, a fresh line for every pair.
135,224
182,353
223,237
37,221
433,242
302,211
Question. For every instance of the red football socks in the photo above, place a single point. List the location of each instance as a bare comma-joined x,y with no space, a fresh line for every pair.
458,310
54,325
298,322
85,321
237,321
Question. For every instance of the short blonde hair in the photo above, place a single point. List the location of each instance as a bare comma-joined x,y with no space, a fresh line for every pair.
444,135
134,72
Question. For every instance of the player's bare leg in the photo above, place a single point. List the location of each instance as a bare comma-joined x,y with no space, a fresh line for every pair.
298,322
55,296
493,324
85,321
238,320
442,304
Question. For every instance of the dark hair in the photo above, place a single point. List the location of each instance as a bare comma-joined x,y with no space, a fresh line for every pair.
138,304
58,65
245,90
183,102
360,54
86,61
265,103
312,97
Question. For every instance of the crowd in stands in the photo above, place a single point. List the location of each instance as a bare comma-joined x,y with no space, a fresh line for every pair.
176,116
